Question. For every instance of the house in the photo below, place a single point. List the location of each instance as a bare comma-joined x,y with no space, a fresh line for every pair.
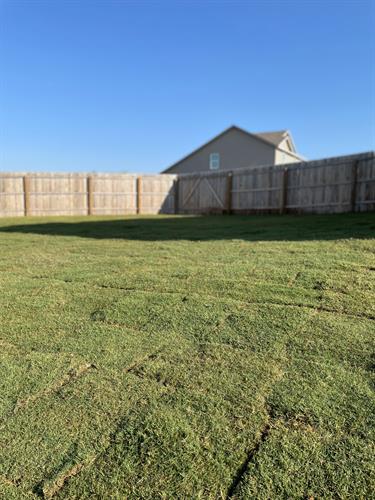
236,148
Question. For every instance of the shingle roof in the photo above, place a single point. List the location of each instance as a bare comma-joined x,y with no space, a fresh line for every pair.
274,137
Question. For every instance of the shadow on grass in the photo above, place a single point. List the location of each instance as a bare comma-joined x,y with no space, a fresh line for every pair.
163,228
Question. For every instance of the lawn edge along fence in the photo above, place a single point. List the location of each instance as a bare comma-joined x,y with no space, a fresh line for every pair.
331,185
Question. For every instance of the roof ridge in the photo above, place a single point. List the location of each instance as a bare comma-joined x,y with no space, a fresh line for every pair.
272,131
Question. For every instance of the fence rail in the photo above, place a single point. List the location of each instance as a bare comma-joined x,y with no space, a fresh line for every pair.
331,185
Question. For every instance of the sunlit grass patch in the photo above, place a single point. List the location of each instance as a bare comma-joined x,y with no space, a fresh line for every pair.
187,357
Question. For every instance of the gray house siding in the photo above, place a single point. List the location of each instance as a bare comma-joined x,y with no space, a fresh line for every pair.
237,150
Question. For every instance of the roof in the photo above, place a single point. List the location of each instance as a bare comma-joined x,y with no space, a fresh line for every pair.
274,137
262,136
277,137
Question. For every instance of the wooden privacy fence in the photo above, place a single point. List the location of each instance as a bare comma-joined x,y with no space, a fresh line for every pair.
332,185
79,194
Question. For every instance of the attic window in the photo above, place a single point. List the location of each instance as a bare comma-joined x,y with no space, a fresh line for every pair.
214,161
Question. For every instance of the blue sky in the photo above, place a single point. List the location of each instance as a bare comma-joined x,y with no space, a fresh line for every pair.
134,86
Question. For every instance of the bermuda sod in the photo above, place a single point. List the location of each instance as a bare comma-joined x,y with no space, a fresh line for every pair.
187,357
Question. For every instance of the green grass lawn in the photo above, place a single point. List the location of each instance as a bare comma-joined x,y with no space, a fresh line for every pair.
187,357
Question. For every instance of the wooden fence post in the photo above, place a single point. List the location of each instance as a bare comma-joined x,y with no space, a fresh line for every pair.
354,186
176,195
139,194
26,194
228,193
90,200
284,192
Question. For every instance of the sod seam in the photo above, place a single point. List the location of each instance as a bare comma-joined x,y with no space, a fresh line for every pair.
213,297
73,374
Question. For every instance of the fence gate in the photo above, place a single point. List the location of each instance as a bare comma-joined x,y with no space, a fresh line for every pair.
203,193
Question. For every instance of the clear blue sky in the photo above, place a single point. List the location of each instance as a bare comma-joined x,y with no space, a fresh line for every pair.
134,86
